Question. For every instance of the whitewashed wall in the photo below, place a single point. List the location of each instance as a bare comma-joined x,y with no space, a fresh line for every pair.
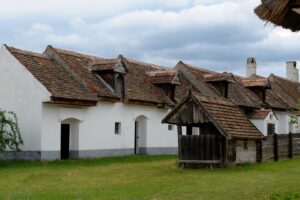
22,93
262,124
283,122
245,155
96,129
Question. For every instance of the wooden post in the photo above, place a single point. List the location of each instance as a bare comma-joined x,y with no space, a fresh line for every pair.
290,145
189,130
259,151
179,131
275,147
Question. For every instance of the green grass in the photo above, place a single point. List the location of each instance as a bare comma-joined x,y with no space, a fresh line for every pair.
149,177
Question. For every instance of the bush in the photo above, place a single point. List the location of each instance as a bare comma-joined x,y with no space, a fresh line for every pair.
10,137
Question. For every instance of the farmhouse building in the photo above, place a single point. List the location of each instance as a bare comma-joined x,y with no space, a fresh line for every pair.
269,103
71,105
252,94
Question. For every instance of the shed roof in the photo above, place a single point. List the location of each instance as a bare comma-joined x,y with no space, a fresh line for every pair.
225,115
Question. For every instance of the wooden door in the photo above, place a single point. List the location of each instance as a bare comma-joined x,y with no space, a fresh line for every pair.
271,129
136,137
65,141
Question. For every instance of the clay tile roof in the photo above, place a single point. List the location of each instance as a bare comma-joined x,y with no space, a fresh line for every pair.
79,65
57,80
259,114
69,75
137,85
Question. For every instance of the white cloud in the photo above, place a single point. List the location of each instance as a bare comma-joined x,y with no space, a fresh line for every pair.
39,29
214,33
67,40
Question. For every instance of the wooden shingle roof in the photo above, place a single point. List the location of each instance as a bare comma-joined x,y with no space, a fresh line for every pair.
225,115
196,76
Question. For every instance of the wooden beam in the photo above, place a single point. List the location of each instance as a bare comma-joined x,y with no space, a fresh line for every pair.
200,161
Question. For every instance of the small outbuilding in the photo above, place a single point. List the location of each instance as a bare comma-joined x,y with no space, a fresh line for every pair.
224,135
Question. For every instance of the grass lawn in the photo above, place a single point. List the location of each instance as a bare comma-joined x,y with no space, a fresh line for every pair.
149,177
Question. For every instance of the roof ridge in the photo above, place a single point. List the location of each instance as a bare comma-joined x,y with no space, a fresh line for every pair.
76,54
26,52
199,68
146,64
285,79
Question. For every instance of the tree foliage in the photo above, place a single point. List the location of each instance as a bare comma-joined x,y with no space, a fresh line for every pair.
10,137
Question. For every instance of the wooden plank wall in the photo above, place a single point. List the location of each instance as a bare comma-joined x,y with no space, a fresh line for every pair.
268,148
282,146
199,147
296,144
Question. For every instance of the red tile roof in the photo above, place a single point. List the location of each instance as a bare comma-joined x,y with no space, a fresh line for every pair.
68,75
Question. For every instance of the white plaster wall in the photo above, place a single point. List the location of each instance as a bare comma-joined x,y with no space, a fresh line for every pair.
262,124
245,155
259,124
283,122
21,93
267,121
96,127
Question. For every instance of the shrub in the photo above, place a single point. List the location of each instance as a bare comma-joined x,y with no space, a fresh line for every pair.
10,137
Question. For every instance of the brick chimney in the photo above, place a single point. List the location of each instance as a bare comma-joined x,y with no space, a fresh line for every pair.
250,67
292,73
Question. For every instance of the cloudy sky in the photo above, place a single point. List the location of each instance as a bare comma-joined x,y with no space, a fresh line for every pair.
215,34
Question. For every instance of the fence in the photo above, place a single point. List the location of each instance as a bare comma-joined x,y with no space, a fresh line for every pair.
282,146
200,147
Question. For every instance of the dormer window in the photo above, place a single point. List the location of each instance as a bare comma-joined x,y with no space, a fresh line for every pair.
112,72
166,81
258,86
220,82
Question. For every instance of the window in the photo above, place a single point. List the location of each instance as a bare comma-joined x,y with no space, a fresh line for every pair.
245,145
170,127
271,116
117,127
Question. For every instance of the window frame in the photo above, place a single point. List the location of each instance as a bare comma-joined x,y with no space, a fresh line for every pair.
117,128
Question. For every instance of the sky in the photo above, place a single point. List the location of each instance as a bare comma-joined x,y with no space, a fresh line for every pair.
214,34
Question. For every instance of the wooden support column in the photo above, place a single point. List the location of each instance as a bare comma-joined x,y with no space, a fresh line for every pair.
189,130
290,145
179,131
275,147
259,151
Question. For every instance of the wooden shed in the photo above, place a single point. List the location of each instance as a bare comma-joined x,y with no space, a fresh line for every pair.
217,132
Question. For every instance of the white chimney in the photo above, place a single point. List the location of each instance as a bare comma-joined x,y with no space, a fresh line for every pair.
292,73
250,67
